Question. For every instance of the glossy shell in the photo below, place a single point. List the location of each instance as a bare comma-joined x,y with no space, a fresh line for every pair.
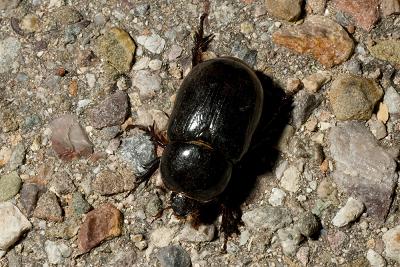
216,111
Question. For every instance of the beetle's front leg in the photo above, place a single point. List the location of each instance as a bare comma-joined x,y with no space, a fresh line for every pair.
201,42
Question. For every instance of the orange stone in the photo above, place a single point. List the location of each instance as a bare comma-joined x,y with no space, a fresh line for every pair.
100,224
320,37
364,12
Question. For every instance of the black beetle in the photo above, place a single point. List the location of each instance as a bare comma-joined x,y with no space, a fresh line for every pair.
216,112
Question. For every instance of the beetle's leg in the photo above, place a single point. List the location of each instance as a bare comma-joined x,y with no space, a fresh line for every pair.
156,136
201,42
231,220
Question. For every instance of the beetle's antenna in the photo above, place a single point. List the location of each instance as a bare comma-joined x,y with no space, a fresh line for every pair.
200,42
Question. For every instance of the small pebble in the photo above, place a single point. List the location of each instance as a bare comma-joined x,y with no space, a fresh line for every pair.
349,213
173,256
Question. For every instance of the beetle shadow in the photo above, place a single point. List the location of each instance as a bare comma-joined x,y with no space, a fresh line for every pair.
261,156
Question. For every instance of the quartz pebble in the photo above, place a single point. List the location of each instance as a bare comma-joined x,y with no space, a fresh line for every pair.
68,138
349,213
12,225
392,243
154,43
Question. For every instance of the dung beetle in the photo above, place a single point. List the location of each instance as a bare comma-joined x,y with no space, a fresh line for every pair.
216,112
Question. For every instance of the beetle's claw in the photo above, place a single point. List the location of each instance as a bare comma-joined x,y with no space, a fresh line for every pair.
200,42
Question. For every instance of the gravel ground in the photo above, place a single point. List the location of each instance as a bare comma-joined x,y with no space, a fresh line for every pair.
76,75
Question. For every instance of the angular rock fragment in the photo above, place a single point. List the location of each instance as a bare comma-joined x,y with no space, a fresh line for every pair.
108,182
48,208
12,225
347,214
363,169
112,111
100,224
30,193
364,12
320,37
68,138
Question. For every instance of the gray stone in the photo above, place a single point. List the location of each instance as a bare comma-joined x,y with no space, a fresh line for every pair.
142,9
353,66
308,224
48,208
124,259
9,51
354,98
290,180
112,111
174,52
137,151
277,197
289,10
148,83
173,256
377,127
79,204
111,182
349,213
9,185
9,4
392,243
56,251
153,206
290,239
375,259
12,225
392,100
363,168
154,43
66,15
30,193
68,139
204,233
17,157
304,104
271,218
161,237
62,184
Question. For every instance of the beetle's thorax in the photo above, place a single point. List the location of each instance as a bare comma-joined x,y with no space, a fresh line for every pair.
195,170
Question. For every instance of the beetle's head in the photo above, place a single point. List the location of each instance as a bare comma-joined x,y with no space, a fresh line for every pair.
195,169
182,205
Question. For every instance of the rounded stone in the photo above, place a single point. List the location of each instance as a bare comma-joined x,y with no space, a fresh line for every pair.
353,97
9,185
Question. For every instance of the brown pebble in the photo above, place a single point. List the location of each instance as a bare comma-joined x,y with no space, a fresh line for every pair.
61,72
73,88
100,224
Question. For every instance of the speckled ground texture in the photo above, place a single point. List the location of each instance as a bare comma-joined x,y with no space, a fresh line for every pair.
75,76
